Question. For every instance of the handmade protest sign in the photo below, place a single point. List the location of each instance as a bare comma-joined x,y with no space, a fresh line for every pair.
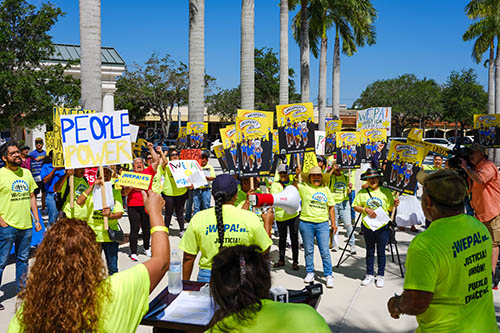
331,129
49,141
181,142
228,138
295,127
310,161
187,173
348,150
320,140
221,156
486,128
133,179
99,197
196,133
373,140
404,163
96,139
191,154
372,118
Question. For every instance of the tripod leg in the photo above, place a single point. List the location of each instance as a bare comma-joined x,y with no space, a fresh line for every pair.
392,251
399,260
350,236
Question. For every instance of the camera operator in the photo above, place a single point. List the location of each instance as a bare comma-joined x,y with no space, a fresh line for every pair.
485,194
448,283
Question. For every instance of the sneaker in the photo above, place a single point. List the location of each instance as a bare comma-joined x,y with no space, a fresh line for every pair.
379,281
147,253
134,257
329,281
352,248
368,279
309,278
2,307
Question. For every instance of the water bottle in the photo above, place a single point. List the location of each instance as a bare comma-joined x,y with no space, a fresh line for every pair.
174,274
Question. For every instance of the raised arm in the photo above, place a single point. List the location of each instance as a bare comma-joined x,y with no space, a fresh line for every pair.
156,158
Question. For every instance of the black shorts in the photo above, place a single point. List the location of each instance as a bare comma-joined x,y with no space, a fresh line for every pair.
41,187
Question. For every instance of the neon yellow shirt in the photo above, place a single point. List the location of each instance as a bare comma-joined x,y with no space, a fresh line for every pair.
381,197
241,227
452,259
96,220
78,212
315,203
169,186
279,213
430,168
15,195
278,317
339,185
241,197
128,304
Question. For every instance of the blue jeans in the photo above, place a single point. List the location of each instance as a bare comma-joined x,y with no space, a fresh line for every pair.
111,253
343,213
321,231
50,203
201,199
22,239
352,195
204,275
379,237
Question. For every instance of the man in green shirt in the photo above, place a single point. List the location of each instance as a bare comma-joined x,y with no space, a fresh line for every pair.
448,267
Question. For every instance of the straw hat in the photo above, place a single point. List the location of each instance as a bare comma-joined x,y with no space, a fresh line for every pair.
315,170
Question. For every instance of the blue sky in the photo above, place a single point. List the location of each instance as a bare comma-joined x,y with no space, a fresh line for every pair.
421,37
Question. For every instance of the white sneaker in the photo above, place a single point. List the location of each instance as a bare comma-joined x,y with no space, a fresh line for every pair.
147,252
309,278
352,249
379,281
368,279
329,281
134,257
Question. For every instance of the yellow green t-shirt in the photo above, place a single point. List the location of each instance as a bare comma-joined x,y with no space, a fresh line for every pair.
128,304
96,219
430,168
15,195
279,213
78,212
339,185
278,317
241,227
452,259
169,186
241,197
381,197
315,203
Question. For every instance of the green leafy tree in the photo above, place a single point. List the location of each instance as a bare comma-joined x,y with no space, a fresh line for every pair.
28,88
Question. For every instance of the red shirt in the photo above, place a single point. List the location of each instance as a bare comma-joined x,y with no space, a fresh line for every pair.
486,196
135,196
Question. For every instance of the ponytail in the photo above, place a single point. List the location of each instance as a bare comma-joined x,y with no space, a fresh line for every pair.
220,199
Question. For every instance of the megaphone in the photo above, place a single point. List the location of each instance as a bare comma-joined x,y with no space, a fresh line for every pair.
288,199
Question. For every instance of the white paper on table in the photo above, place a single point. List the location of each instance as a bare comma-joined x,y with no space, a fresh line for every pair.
197,179
110,201
379,221
189,308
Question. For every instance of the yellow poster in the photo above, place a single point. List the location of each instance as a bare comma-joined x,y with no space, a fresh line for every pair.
373,140
138,147
331,129
310,161
196,133
276,142
136,180
295,127
485,129
416,134
182,138
228,138
49,141
349,149
255,145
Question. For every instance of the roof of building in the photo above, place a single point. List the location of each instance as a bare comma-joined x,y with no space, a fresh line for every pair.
68,52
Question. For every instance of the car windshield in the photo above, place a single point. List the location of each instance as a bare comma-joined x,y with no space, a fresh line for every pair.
437,140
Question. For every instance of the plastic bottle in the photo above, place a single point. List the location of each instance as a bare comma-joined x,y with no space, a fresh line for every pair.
174,274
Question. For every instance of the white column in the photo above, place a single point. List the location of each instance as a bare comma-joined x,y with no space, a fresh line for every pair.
108,102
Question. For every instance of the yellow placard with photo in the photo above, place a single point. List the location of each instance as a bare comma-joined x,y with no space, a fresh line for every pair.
135,180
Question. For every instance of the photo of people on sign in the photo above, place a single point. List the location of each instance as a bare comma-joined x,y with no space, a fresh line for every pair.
405,161
181,142
228,138
486,129
295,127
331,129
373,141
255,146
221,156
348,150
196,133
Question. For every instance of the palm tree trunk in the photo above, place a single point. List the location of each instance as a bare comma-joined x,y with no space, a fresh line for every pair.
322,82
336,78
497,78
196,60
283,52
247,71
491,81
90,54
304,53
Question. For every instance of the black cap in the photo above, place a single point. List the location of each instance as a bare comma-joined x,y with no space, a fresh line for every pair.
225,183
370,173
24,147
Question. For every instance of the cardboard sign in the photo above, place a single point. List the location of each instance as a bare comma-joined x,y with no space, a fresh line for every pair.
196,133
486,130
320,139
228,138
255,147
372,118
332,127
310,161
97,195
191,154
96,139
373,140
295,127
183,171
181,142
136,180
49,141
91,175
221,156
348,150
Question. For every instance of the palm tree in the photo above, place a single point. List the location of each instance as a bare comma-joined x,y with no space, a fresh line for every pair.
196,60
303,41
90,54
247,67
283,52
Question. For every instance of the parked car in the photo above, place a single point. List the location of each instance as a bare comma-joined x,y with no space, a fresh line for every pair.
440,141
463,140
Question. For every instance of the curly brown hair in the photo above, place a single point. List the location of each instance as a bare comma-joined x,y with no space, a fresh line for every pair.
66,286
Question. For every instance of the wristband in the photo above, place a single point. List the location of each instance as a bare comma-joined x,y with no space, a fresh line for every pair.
159,228
85,194
364,210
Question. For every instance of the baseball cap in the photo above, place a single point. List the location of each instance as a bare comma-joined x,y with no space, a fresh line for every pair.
225,183
24,147
282,168
445,186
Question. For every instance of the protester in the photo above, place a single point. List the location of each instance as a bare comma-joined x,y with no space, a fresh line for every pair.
375,158
318,206
201,196
341,187
26,160
36,162
438,165
223,225
80,184
321,162
240,286
286,222
17,188
68,288
485,190
137,215
448,287
96,219
366,202
50,176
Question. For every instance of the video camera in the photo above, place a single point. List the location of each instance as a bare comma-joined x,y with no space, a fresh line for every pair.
458,153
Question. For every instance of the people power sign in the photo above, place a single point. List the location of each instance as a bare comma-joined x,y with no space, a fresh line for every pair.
295,127
136,180
374,118
96,139
187,173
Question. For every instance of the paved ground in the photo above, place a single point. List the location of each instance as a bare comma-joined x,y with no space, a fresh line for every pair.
348,307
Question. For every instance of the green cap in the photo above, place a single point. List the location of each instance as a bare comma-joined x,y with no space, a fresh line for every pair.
445,187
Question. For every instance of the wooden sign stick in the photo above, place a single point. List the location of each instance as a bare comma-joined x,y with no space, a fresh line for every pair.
72,191
103,195
298,163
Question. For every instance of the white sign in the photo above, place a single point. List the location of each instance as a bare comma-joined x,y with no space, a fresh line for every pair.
319,137
374,118
187,173
97,195
134,131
